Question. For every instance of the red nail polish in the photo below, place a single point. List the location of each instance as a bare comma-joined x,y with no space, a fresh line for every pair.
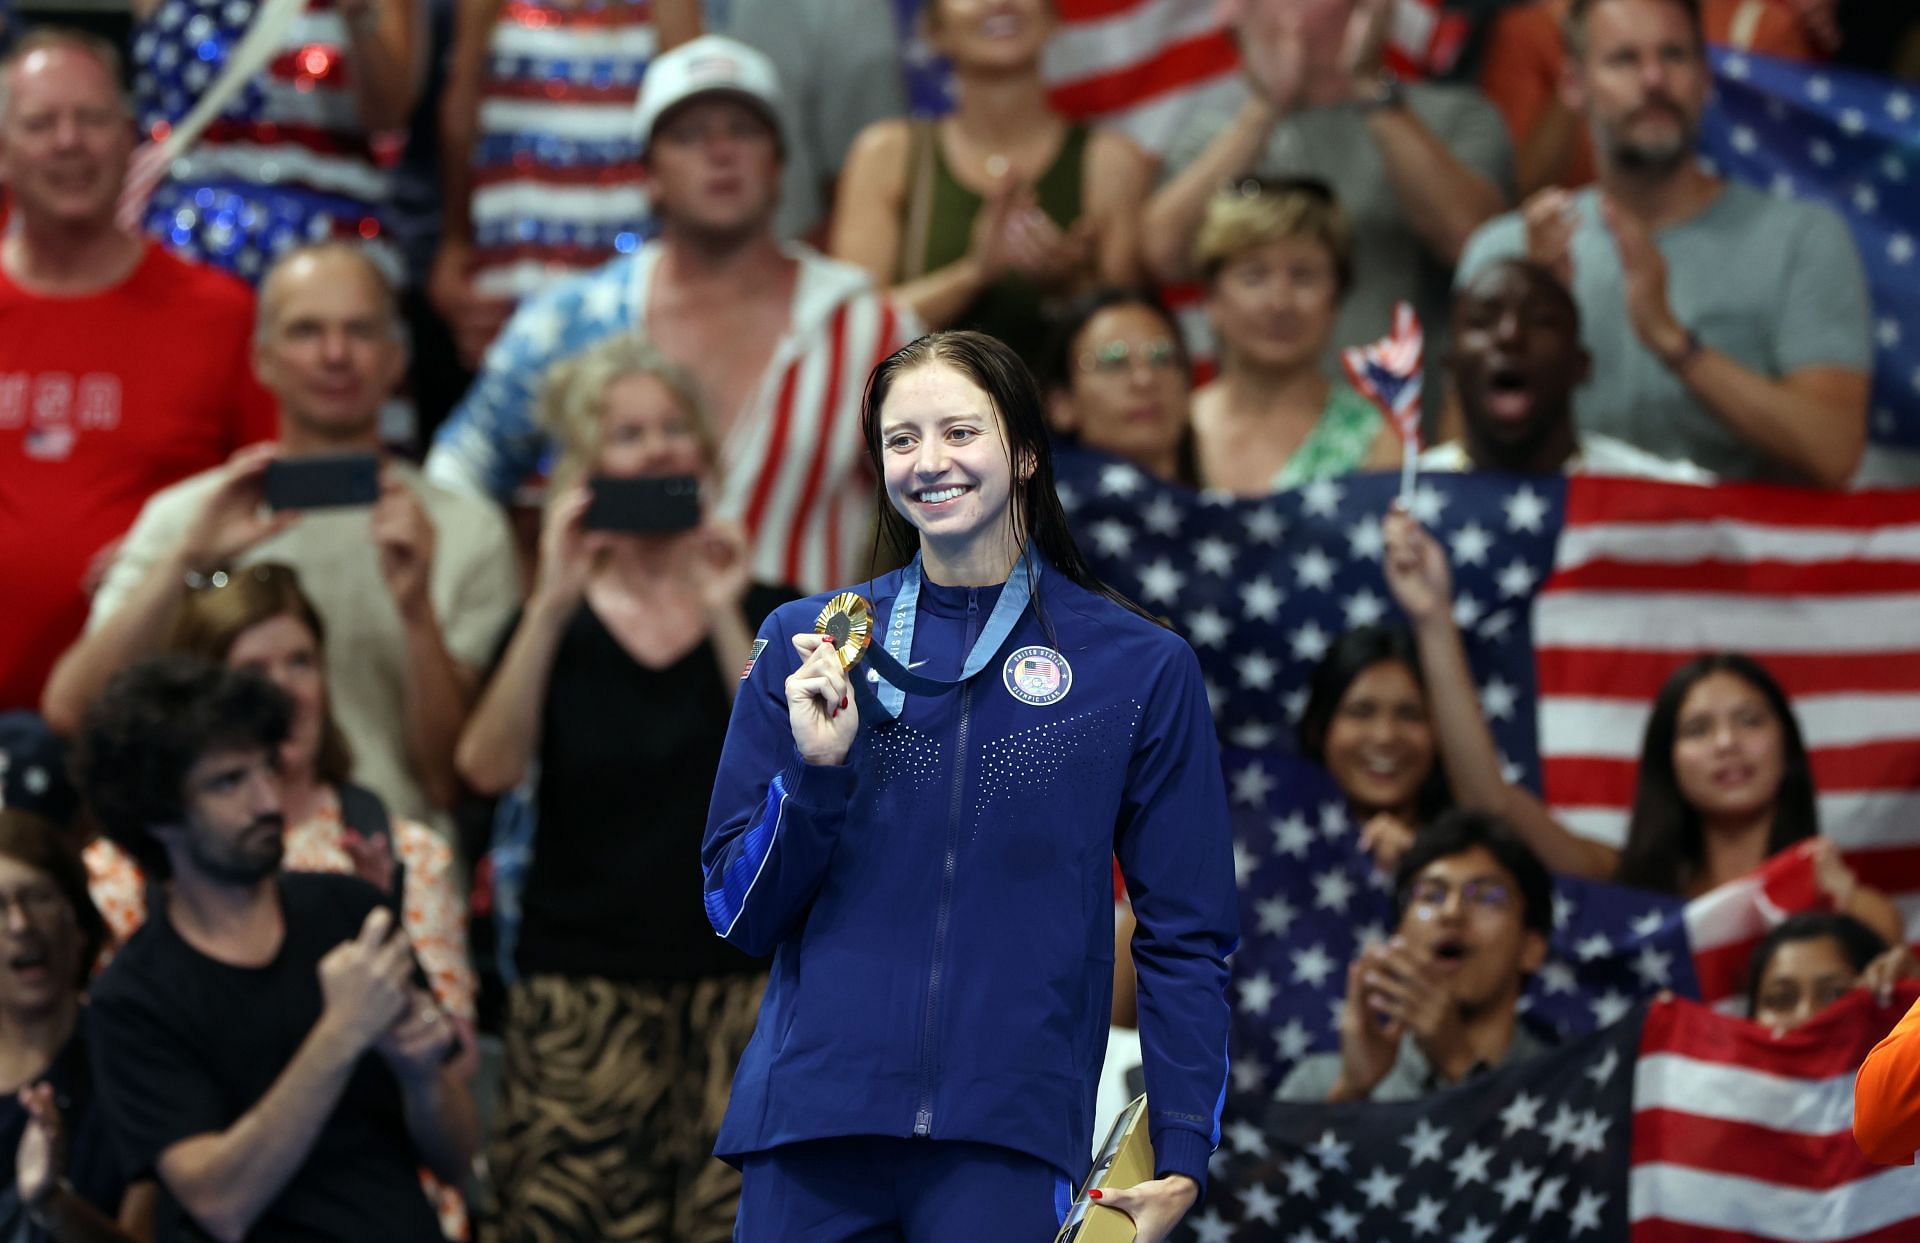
843,701
1094,1194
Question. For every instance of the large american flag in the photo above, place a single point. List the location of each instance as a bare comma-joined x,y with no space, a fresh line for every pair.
1262,587
1672,1125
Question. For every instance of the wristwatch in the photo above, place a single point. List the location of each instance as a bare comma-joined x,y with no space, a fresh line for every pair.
1383,91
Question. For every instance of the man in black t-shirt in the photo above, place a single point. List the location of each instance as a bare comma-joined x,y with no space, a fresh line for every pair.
265,1044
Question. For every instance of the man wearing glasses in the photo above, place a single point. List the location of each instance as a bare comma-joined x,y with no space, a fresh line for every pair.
1439,1002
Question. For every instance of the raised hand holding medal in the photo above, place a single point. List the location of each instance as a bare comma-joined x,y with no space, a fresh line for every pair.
1388,374
820,704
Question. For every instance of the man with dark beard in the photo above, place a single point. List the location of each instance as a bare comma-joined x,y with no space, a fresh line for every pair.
267,1046
1515,362
1727,327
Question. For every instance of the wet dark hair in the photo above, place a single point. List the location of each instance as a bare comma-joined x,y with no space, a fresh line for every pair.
153,723
1458,831
41,845
1351,655
1038,519
1858,943
1666,845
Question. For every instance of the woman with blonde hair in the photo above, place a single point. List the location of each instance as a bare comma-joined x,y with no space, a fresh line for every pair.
615,687
1277,258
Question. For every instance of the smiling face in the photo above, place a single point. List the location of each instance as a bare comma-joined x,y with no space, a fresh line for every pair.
65,138
1379,744
1127,386
1517,358
1802,978
1274,304
1729,750
42,939
988,35
1466,911
947,465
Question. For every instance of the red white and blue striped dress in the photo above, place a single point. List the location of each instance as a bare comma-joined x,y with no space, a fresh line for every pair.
556,172
287,161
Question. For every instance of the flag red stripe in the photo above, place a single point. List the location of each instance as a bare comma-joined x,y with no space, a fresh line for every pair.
621,174
608,18
1813,1162
559,91
1655,1230
1810,1052
559,256
1593,781
810,491
1174,67
1722,969
1097,10
266,133
770,472
1613,501
1638,676
1838,577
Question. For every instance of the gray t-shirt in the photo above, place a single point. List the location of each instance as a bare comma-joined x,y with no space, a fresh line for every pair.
1411,1079
839,66
1333,144
1774,284
475,588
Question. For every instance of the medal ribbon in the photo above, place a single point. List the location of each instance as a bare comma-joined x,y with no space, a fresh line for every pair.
889,655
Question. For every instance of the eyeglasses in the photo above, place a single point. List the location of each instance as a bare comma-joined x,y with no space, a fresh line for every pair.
266,573
1429,896
33,902
1254,187
1117,358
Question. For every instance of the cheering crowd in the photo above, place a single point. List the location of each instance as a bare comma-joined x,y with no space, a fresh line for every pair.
351,852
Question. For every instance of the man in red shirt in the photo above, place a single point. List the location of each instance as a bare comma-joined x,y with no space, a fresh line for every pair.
122,368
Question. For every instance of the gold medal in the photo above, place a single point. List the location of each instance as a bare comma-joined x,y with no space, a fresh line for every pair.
848,621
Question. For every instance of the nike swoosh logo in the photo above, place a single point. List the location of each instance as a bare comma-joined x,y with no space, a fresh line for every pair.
916,664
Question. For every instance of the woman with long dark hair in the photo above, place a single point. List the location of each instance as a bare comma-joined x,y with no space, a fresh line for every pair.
1366,721
922,837
1724,780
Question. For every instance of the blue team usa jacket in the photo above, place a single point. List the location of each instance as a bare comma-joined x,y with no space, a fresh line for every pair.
940,907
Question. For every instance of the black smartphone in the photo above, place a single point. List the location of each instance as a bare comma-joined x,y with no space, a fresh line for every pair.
328,481
658,506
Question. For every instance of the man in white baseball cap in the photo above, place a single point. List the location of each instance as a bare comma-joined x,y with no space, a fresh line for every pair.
711,65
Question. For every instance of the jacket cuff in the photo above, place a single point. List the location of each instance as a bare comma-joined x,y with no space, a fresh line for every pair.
821,786
1177,1150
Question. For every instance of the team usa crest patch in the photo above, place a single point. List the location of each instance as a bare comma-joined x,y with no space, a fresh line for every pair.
1038,675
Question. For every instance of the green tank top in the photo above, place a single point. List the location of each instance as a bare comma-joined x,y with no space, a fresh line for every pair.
1338,443
1013,308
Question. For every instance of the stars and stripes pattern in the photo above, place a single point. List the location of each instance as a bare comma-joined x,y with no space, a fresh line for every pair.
1823,590
287,162
1738,1134
1388,373
1672,1125
1262,587
1531,1153
556,165
1146,65
1852,142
